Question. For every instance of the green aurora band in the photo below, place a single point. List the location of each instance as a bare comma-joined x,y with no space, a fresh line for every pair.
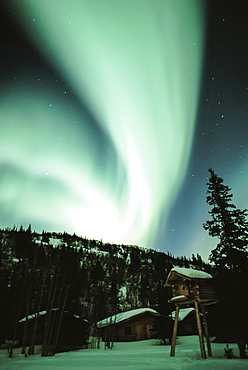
136,65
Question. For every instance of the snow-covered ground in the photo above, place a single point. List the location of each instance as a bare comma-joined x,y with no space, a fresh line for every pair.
143,355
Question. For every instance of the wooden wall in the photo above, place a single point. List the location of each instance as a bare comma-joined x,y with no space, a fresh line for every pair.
138,328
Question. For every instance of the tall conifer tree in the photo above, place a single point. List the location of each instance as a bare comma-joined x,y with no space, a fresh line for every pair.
228,223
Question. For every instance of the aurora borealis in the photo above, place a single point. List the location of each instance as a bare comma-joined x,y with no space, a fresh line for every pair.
105,128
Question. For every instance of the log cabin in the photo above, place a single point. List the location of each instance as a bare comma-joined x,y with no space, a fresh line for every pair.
72,331
186,321
129,326
190,285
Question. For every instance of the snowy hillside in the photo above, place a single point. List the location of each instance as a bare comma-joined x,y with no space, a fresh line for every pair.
143,355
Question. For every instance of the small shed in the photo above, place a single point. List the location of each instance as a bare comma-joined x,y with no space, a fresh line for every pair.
129,326
70,328
190,285
186,321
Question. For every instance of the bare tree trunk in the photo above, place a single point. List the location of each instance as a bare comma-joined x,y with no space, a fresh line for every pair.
45,274
28,300
13,334
242,352
60,320
50,318
29,297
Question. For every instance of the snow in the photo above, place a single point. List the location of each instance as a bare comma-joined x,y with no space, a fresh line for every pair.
192,273
142,355
123,316
178,298
55,242
34,315
183,312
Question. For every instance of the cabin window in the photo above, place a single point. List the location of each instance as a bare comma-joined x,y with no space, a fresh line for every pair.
128,330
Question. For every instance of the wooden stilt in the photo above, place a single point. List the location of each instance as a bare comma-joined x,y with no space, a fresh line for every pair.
174,335
206,331
198,321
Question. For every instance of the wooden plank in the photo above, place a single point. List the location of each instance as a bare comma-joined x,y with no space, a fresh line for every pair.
206,331
174,334
198,321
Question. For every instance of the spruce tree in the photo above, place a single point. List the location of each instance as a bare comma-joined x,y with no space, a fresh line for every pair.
229,224
230,257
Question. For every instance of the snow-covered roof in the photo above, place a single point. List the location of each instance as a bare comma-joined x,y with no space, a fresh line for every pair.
42,313
191,273
183,312
178,298
36,314
124,316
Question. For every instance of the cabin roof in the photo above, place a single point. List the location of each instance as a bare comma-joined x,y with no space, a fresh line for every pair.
36,314
122,316
183,313
42,313
178,273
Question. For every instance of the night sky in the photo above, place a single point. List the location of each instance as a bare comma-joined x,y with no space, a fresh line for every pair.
111,113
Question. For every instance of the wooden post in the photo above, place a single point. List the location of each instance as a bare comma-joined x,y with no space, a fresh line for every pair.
198,321
206,331
174,335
